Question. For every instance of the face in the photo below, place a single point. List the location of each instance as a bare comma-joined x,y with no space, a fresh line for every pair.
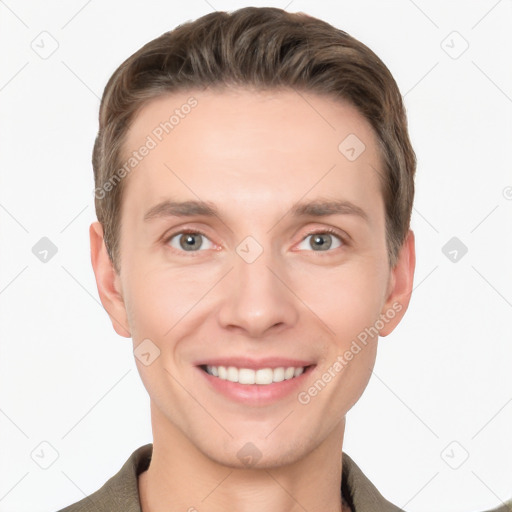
253,250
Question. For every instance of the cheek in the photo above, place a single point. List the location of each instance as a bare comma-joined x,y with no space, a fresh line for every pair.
359,361
156,309
158,300
347,299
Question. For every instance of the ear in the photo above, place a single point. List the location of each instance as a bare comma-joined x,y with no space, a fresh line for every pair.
400,286
108,281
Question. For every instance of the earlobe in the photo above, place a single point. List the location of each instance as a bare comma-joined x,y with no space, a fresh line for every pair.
400,288
108,281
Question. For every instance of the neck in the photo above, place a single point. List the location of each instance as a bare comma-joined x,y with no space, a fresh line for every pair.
182,478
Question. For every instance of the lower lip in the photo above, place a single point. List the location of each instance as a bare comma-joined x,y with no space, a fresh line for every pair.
256,394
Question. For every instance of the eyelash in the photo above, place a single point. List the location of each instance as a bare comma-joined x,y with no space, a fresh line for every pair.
329,231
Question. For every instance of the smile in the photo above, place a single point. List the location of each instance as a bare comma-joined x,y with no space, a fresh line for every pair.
250,376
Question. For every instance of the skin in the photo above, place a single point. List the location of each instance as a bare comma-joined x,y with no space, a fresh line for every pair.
253,154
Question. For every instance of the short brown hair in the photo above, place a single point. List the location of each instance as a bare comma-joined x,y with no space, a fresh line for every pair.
263,48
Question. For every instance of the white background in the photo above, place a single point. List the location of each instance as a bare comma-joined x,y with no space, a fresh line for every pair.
444,375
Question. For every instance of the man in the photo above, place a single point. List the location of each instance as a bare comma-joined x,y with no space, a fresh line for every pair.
254,186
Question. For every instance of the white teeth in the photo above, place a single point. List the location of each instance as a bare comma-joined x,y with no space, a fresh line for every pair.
298,371
246,376
223,373
249,376
279,374
264,376
288,373
232,374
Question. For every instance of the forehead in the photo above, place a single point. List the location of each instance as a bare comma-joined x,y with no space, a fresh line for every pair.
248,147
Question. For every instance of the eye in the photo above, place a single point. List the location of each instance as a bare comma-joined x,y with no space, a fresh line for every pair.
195,241
322,240
188,241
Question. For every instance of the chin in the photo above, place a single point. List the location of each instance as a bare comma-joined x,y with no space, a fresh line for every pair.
258,454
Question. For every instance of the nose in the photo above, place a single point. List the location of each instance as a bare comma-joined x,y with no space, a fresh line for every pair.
258,297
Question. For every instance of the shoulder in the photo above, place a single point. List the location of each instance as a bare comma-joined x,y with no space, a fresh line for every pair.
363,496
359,491
121,491
505,507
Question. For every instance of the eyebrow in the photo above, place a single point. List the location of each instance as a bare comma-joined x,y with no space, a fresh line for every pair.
315,208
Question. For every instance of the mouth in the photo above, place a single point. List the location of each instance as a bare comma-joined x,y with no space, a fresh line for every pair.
254,382
254,376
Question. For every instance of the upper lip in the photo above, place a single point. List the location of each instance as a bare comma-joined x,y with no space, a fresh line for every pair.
255,364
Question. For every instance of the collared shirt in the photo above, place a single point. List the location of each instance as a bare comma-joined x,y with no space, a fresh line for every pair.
121,492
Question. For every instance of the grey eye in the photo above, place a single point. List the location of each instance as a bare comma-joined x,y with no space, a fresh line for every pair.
321,241
189,242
